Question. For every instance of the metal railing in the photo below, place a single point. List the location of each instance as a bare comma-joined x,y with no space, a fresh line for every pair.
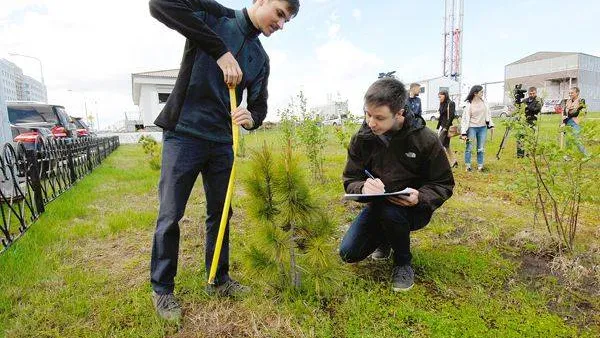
31,178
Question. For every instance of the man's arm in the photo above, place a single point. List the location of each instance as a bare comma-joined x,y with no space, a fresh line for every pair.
183,16
438,181
257,96
354,174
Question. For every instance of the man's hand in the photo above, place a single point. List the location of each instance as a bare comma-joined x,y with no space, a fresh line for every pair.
232,73
242,117
373,186
406,201
463,137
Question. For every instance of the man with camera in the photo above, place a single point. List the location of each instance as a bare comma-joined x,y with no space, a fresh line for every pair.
533,106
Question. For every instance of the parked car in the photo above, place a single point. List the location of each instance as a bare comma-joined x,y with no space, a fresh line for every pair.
31,137
552,107
430,115
500,110
82,128
42,115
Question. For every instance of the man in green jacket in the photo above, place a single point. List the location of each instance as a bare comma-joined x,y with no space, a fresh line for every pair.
399,152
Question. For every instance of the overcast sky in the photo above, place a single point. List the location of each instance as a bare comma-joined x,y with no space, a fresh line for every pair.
90,48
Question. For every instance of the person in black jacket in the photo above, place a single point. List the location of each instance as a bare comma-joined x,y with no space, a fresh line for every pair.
222,49
533,106
447,114
414,102
395,147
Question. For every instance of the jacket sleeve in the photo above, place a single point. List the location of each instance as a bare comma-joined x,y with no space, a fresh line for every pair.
464,122
438,182
186,17
354,176
258,95
451,114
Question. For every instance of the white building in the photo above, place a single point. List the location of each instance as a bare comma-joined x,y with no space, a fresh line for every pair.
19,87
430,89
5,133
150,91
33,90
554,73
12,80
334,111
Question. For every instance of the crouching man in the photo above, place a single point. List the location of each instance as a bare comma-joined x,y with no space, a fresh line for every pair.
396,148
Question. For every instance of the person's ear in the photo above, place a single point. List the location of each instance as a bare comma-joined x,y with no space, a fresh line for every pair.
400,112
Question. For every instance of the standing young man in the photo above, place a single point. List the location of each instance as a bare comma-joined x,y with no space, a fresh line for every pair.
414,102
400,152
222,49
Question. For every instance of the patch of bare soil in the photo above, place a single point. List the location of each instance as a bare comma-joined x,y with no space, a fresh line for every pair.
575,296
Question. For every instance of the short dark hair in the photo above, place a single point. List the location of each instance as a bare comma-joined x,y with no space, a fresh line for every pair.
532,89
293,6
387,92
474,90
576,89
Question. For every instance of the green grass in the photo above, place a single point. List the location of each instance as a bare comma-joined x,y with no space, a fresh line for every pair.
82,269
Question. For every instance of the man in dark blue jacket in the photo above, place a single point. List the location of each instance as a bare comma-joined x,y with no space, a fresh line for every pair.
414,102
222,49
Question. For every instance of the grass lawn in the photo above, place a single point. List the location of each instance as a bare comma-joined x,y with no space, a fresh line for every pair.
482,265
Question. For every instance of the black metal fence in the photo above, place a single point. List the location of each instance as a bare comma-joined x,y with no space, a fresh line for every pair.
31,178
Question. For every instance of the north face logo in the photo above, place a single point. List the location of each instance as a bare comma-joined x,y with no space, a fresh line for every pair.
410,154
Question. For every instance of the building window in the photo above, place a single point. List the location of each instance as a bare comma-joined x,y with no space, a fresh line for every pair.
444,89
162,97
422,90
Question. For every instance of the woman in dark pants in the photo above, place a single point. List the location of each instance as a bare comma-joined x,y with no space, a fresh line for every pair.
447,114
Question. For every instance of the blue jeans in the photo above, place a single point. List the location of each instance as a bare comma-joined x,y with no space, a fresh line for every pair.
479,134
576,132
183,158
379,223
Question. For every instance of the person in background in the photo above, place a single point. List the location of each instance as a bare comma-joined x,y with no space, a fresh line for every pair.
533,106
476,120
414,102
447,112
574,108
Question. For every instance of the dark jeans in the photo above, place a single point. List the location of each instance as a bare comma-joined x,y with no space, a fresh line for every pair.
183,158
379,223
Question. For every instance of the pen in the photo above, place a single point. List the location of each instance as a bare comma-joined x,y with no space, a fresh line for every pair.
369,174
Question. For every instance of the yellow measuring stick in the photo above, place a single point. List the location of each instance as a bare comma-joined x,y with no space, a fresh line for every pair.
225,214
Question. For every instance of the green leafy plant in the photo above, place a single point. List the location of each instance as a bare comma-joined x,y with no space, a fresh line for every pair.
312,136
153,150
555,177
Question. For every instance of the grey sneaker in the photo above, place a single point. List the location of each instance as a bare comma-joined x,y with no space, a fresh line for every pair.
382,252
403,278
166,306
231,288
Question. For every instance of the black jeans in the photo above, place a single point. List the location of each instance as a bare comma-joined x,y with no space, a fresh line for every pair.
183,158
379,223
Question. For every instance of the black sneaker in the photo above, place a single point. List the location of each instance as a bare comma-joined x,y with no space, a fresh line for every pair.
403,278
166,306
231,288
382,252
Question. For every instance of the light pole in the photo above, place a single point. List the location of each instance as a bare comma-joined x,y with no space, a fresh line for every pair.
38,60
90,117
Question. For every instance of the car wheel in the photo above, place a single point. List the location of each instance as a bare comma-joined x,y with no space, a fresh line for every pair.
432,118
502,115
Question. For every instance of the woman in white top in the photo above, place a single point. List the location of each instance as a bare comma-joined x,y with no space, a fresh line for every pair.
476,120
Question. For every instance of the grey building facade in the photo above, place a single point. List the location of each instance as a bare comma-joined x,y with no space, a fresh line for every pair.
554,73
20,87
